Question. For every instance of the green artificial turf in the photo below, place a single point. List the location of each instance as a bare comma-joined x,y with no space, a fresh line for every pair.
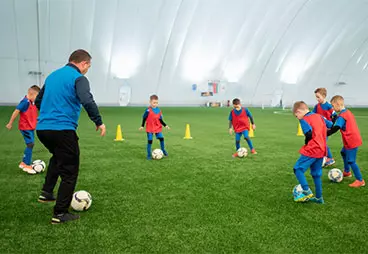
197,200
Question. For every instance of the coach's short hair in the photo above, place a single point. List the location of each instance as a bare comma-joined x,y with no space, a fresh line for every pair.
153,97
80,55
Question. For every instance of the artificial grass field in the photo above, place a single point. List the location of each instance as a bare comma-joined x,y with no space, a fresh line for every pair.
197,200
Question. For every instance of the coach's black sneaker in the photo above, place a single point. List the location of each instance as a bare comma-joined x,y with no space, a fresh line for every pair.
64,217
46,197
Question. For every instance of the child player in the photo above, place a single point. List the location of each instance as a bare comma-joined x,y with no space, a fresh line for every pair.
324,108
27,124
153,119
312,153
350,137
239,121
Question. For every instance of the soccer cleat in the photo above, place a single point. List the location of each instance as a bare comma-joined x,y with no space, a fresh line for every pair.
300,198
357,184
46,197
22,165
29,170
149,157
235,155
64,217
329,162
347,174
317,200
253,151
308,194
165,153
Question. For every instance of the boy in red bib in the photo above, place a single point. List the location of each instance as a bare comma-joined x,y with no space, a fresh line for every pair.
351,139
325,109
27,124
239,121
314,127
152,117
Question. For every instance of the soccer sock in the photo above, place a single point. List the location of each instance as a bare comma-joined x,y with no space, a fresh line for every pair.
301,178
149,149
346,164
356,171
318,185
27,157
237,145
162,144
250,144
329,154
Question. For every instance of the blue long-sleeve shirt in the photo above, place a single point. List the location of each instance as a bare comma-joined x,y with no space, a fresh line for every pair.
61,97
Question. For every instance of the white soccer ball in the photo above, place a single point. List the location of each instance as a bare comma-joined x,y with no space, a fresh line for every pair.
297,190
39,166
157,154
242,152
335,175
81,200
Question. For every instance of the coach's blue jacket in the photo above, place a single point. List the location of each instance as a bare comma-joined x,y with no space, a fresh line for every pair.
60,100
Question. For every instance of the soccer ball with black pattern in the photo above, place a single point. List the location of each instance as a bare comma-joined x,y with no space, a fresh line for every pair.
39,166
81,201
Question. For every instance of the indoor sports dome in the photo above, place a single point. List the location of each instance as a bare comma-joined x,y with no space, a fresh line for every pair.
262,51
183,126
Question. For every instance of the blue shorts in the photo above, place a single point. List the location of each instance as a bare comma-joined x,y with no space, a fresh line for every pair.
305,162
150,135
28,136
350,154
238,135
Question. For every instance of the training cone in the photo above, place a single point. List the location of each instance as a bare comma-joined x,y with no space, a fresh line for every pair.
119,135
187,132
251,132
300,132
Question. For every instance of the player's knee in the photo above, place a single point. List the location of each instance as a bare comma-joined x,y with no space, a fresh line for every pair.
30,145
150,142
237,141
161,139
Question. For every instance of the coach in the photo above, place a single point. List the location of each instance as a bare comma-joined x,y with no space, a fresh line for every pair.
59,102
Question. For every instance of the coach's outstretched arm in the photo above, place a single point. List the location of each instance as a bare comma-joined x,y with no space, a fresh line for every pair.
86,98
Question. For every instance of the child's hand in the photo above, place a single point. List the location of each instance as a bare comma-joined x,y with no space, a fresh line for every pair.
253,126
231,131
9,126
167,127
140,128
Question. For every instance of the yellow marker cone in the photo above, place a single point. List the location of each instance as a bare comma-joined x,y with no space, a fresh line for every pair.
187,132
119,135
251,132
300,131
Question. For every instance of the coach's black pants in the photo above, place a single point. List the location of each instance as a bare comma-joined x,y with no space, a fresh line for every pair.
63,145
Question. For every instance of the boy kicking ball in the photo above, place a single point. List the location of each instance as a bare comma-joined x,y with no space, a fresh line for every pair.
27,124
239,121
312,153
153,120
351,139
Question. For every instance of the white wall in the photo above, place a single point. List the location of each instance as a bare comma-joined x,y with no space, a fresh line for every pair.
165,46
